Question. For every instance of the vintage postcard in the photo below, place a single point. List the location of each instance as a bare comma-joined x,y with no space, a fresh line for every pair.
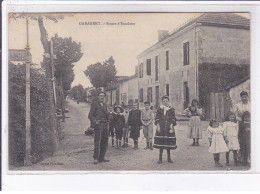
129,91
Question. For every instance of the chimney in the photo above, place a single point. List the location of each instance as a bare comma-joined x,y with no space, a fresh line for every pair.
162,34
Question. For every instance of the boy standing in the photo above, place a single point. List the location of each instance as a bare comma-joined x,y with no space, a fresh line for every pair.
134,123
126,128
111,124
147,121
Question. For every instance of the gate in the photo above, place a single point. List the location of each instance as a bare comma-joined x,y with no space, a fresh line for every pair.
217,106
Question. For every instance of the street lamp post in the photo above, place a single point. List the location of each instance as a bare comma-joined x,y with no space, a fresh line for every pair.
111,100
27,159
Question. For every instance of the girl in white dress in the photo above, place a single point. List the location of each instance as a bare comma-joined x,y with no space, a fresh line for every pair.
231,129
217,142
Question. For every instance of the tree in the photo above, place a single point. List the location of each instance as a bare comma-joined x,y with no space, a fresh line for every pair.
78,93
101,74
67,52
46,64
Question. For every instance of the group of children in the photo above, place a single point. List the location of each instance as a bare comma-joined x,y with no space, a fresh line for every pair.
123,121
231,137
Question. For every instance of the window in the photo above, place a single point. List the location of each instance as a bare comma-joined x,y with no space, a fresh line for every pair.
141,95
167,60
124,98
167,88
148,67
149,94
141,70
186,53
156,68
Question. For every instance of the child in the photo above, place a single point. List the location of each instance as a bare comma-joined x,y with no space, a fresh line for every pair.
126,128
244,138
217,142
165,138
119,123
134,122
111,123
147,121
230,127
195,132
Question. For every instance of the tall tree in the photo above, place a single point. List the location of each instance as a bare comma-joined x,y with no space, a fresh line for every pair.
101,74
67,52
46,64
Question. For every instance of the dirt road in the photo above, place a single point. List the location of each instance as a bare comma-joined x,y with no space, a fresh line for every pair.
76,151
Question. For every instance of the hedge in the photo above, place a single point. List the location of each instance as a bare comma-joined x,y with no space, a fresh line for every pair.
40,108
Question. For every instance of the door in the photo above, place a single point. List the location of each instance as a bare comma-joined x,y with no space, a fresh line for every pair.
217,106
186,95
157,97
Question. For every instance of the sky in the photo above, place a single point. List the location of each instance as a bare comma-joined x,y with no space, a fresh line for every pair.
99,42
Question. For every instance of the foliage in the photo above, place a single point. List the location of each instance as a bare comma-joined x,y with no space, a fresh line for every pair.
40,112
214,78
78,93
101,74
67,52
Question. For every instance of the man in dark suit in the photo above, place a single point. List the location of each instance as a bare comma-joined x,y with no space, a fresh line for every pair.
98,116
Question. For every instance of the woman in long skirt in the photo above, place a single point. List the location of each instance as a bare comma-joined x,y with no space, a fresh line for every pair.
165,135
194,131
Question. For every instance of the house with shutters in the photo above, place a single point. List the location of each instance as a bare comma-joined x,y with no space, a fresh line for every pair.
197,61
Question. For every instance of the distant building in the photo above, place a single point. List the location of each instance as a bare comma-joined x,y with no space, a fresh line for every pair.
90,94
18,56
123,91
112,91
196,60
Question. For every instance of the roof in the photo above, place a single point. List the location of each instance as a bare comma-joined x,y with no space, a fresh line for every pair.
224,19
238,82
229,20
120,78
128,78
17,55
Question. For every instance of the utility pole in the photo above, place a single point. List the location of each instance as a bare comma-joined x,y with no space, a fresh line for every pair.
111,94
27,159
52,57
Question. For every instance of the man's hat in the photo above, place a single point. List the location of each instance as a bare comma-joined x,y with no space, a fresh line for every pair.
121,109
165,97
148,103
101,92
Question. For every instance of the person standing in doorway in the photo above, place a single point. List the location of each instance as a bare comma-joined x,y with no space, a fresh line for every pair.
165,121
194,132
135,123
98,116
147,121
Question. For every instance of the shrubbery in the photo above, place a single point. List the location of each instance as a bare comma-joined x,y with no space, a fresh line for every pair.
40,109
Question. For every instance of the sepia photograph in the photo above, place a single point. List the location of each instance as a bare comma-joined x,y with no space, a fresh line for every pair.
129,91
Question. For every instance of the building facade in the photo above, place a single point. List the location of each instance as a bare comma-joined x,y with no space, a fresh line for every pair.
188,63
124,91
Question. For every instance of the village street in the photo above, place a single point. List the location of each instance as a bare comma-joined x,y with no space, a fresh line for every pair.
76,150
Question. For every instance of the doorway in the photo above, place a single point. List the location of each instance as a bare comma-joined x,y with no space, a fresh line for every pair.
186,95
